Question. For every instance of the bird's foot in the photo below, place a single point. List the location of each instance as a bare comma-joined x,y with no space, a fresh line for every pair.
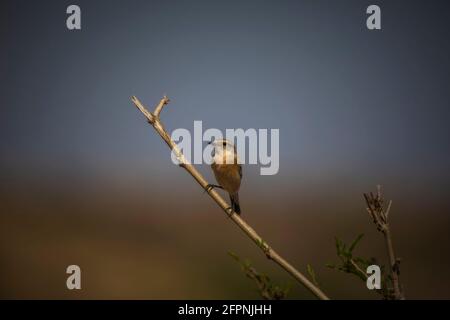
209,187
230,211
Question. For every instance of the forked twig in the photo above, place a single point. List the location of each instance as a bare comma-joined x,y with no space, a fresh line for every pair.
154,120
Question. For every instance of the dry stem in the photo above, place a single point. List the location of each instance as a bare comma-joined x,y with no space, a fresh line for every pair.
380,219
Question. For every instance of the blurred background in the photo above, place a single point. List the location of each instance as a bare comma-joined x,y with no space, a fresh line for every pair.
86,181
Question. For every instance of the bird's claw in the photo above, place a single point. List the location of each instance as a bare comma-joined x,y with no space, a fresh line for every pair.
209,187
230,211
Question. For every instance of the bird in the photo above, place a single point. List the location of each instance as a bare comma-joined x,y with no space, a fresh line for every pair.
227,170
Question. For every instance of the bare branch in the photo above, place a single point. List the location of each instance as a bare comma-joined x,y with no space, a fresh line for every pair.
380,218
388,209
153,119
146,113
159,107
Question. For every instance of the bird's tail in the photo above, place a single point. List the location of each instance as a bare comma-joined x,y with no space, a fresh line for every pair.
234,198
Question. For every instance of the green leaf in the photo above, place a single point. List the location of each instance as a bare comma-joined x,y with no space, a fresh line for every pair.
233,255
265,286
338,244
312,274
355,242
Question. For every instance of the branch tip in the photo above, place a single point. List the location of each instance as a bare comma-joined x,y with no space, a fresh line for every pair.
165,100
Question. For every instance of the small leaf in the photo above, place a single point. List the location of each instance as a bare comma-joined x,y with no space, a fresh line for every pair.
233,255
264,284
355,242
337,242
312,274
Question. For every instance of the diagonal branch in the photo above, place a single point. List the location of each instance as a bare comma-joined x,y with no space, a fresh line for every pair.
154,120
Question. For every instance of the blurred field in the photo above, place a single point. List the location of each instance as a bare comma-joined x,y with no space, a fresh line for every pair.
134,244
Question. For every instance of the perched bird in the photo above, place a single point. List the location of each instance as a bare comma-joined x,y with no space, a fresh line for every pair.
227,170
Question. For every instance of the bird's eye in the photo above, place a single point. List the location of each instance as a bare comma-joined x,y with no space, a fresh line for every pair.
224,144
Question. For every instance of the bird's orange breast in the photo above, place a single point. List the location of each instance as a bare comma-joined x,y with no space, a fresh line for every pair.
228,176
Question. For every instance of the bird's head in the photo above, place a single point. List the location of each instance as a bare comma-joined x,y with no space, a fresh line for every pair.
223,148
222,144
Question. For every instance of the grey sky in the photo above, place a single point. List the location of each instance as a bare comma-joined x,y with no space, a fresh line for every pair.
348,102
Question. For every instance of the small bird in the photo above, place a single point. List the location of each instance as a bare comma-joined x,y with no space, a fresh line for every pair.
227,170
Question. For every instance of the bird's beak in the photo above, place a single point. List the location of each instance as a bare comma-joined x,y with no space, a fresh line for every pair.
210,142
